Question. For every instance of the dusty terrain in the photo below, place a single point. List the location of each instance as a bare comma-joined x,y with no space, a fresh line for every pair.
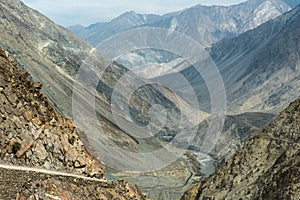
37,138
267,167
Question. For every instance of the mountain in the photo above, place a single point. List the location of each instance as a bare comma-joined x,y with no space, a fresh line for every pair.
260,68
267,167
236,130
205,24
266,76
209,24
47,51
28,125
83,32
97,32
53,56
34,136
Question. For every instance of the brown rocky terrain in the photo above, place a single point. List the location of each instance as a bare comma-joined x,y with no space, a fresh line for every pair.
34,134
22,185
267,167
33,131
52,55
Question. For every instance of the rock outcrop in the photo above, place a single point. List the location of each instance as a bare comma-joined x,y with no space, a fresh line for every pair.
267,167
34,134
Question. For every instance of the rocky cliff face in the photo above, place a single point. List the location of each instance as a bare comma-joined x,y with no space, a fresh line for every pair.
47,51
237,129
267,167
34,134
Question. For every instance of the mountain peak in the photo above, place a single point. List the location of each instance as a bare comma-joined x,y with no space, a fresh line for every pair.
128,14
131,12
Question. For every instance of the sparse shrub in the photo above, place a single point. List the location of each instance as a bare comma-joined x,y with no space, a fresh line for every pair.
16,147
223,183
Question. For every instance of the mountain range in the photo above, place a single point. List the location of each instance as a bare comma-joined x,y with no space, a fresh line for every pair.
254,46
101,31
205,24
52,55
260,68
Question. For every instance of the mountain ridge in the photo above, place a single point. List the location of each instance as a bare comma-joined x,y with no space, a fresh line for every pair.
206,24
258,73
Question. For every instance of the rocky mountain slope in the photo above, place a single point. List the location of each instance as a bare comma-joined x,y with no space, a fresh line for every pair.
53,55
267,167
33,134
32,130
237,129
265,63
260,68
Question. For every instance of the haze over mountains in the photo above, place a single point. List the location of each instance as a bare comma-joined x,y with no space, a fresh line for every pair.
260,68
211,24
208,25
101,31
205,24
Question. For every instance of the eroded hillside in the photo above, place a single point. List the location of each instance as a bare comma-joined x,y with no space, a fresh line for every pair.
267,167
33,134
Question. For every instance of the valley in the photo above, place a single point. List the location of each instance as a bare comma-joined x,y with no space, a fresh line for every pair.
193,104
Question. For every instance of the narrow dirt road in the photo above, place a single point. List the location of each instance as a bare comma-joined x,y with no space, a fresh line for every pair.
50,172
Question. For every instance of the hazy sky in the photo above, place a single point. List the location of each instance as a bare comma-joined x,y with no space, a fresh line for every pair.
85,12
